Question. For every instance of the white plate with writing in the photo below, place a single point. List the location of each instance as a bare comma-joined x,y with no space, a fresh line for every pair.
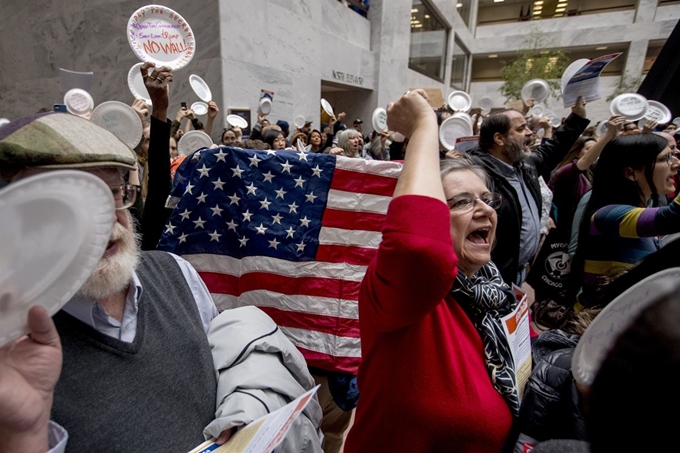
78,102
632,106
658,112
193,140
379,119
601,334
160,35
121,120
54,228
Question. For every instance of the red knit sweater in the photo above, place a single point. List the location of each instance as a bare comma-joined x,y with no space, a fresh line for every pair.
422,381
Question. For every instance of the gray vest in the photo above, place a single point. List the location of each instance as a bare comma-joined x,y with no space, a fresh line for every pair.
154,394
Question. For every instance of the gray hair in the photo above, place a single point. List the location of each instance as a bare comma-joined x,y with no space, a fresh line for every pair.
344,136
462,163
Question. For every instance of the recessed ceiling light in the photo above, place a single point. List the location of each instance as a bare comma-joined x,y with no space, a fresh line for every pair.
459,5
427,16
601,48
537,12
559,10
538,2
493,56
414,10
497,1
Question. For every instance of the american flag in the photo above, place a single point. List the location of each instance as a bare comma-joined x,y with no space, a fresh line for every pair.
289,232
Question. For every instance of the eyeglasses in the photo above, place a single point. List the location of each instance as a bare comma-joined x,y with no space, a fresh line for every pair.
466,202
124,195
668,158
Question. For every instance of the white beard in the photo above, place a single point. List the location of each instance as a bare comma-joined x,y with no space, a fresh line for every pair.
114,273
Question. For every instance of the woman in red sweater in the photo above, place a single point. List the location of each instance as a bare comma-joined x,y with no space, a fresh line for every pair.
429,309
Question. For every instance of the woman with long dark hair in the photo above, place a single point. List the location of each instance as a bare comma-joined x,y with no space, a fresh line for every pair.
619,227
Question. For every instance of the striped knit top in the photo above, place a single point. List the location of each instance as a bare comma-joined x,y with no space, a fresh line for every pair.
620,237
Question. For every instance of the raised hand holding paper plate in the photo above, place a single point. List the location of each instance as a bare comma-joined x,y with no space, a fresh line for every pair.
199,108
78,102
237,121
631,106
658,112
160,35
136,83
121,120
193,140
201,88
54,228
379,119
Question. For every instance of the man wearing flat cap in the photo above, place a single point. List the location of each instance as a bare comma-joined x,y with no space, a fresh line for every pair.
139,359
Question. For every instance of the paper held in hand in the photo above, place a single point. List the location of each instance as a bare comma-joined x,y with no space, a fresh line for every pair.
265,433
586,81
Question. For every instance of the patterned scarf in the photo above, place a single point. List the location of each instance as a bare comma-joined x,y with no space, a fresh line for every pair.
486,299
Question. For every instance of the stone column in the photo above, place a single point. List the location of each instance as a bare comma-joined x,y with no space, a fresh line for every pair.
645,11
390,42
635,59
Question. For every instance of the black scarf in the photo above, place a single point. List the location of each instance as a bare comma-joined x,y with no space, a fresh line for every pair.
486,299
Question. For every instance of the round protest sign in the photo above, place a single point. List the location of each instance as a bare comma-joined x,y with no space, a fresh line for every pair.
159,35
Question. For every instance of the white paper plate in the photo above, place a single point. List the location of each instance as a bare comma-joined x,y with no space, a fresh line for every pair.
571,70
555,121
464,116
160,35
658,112
237,121
193,140
121,120
4,121
486,103
78,102
199,108
536,89
201,88
136,83
631,106
265,106
539,110
326,106
451,129
299,121
379,119
459,101
676,121
602,333
601,128
54,228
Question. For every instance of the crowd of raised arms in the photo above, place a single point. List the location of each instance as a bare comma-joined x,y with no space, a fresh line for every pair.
546,228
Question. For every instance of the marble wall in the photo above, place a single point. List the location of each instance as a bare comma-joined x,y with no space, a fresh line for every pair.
300,49
86,35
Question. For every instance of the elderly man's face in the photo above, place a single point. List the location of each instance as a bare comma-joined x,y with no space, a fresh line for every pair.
114,271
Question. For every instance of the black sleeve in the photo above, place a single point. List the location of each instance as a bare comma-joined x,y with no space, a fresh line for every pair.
155,214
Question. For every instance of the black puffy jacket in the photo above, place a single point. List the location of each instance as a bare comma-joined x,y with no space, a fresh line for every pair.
551,405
